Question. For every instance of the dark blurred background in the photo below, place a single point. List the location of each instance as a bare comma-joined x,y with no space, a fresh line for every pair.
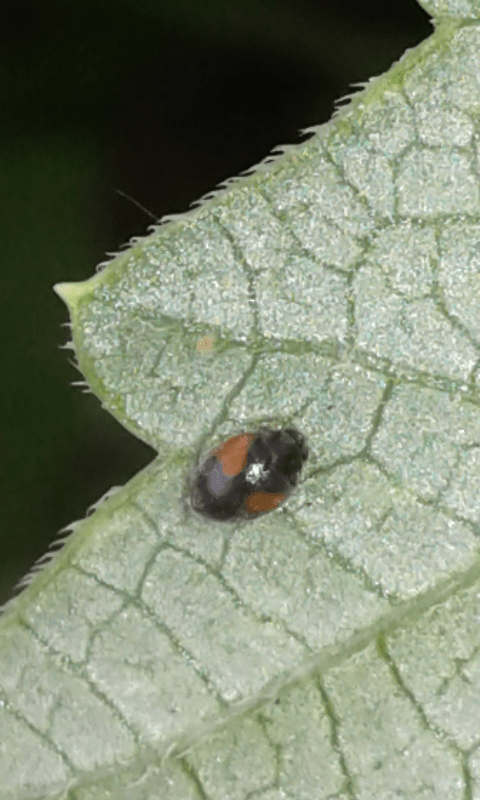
160,100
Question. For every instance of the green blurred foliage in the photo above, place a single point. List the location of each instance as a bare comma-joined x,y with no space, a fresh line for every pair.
161,100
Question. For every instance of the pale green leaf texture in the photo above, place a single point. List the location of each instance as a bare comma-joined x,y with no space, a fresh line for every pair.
330,649
463,9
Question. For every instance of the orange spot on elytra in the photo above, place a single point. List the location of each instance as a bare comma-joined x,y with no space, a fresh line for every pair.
233,453
263,501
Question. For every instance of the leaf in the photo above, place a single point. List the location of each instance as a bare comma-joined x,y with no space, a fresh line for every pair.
330,648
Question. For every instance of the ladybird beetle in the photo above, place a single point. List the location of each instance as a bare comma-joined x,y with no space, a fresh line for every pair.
248,474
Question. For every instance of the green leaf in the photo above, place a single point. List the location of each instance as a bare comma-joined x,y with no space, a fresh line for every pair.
330,648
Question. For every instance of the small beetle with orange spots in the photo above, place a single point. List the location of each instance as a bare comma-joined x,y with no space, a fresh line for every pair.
248,474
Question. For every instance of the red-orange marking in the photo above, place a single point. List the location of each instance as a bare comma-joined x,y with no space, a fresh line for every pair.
233,453
263,501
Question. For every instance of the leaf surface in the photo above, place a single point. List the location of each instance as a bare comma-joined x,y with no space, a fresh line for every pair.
330,648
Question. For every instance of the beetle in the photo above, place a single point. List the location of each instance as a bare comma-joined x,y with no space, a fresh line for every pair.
249,474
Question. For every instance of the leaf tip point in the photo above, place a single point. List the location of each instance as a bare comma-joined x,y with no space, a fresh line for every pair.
70,293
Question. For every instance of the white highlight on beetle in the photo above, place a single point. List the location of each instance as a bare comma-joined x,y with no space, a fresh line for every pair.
256,473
